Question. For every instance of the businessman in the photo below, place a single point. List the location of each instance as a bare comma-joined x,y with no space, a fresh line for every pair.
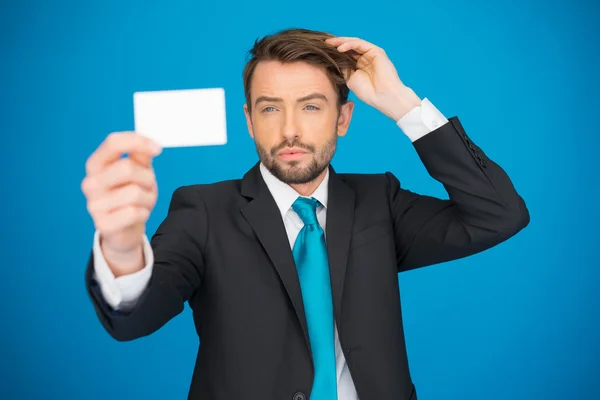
291,271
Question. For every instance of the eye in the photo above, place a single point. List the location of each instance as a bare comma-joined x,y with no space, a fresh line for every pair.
310,107
268,109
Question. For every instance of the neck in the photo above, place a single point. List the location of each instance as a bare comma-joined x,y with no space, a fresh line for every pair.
306,189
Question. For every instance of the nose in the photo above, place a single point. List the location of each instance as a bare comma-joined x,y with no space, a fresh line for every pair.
290,130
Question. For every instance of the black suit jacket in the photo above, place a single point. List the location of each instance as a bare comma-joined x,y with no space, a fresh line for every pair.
223,249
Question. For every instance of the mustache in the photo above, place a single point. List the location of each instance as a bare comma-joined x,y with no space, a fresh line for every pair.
295,143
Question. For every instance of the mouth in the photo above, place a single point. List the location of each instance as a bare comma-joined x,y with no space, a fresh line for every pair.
292,154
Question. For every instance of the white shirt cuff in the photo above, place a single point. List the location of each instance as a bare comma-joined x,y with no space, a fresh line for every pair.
123,292
421,120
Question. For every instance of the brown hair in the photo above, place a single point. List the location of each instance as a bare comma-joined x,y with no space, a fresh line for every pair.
296,44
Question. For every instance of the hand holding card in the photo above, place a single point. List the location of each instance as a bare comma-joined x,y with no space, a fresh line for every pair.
180,118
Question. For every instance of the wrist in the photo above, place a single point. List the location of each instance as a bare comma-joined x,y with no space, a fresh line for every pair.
124,262
399,104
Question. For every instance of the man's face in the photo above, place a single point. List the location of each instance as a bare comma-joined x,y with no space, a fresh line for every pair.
295,120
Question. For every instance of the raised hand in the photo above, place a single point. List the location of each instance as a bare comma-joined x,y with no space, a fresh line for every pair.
121,193
376,81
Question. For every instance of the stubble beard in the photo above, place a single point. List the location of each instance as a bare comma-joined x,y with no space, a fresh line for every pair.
290,172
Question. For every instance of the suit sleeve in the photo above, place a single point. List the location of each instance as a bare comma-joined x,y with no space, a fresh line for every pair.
178,246
483,208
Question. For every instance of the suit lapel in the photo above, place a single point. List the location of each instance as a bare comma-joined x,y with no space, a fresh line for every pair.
264,217
340,220
262,214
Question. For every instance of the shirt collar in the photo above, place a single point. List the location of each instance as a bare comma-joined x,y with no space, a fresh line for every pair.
285,195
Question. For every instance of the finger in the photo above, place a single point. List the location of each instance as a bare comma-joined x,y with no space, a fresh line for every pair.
117,144
145,160
338,40
358,45
128,195
124,171
120,173
121,219
354,54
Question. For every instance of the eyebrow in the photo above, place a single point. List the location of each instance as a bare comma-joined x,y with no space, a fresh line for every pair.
301,99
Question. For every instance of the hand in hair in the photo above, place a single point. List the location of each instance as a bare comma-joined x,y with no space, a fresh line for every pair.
376,81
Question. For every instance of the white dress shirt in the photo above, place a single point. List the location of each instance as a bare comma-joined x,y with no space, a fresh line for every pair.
121,293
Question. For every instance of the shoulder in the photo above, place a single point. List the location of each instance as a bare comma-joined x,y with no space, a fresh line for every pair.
369,183
208,196
210,190
208,193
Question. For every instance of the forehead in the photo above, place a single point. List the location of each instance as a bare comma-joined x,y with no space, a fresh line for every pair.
289,80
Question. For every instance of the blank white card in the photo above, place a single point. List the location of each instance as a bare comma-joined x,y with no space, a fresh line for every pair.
180,118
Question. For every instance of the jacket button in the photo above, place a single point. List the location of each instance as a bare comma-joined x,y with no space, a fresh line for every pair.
299,396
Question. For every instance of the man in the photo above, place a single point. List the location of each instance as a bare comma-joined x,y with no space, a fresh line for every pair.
291,271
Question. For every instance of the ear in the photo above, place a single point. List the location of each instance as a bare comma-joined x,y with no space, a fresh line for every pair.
249,121
344,118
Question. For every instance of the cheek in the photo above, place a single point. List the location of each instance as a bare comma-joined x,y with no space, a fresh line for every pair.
266,133
315,121
319,128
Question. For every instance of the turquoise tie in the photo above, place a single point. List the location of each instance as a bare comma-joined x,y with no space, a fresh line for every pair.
310,254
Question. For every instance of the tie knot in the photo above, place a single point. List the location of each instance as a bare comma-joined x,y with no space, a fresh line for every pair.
306,209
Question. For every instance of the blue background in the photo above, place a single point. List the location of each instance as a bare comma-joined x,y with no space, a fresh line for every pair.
519,321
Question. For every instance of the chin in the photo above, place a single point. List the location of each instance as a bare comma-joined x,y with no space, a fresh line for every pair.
296,172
